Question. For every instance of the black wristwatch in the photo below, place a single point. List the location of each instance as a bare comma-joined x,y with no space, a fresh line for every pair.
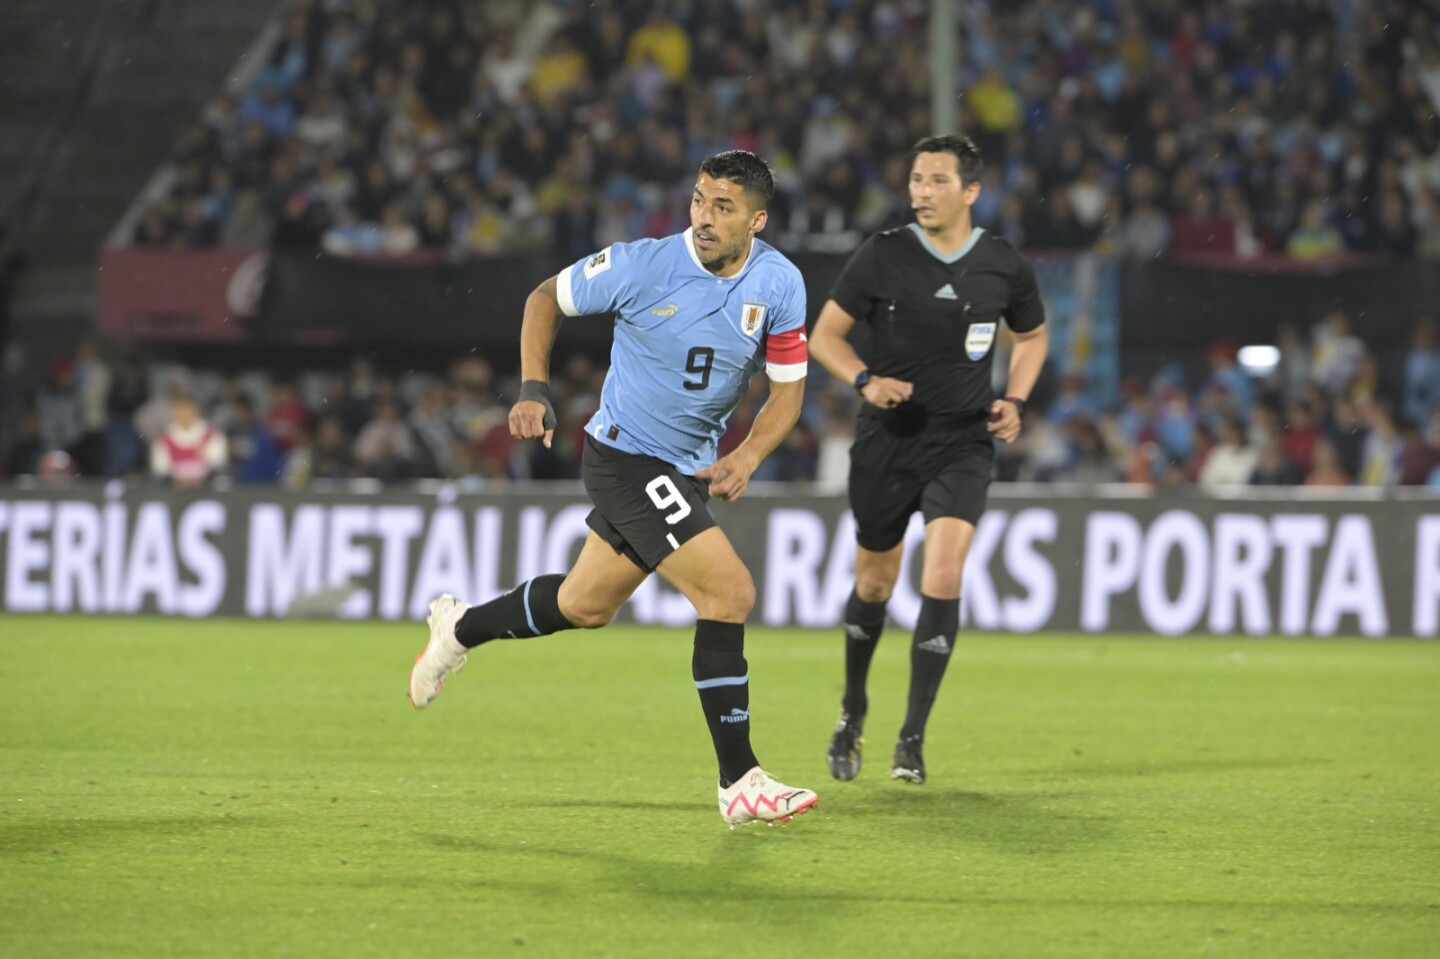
861,378
1020,405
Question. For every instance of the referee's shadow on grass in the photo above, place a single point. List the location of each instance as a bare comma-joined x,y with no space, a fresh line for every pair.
1018,822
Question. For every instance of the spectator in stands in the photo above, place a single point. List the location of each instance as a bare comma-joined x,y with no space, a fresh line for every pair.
1327,470
1314,237
385,448
1344,431
1091,460
430,422
23,456
1336,354
330,455
1419,457
1228,388
358,406
1421,385
1146,232
1201,229
1292,373
249,225
838,84
129,390
1381,448
92,387
61,425
1274,467
1230,462
255,457
285,416
189,451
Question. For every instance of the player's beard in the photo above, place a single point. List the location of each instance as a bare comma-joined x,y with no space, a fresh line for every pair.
721,257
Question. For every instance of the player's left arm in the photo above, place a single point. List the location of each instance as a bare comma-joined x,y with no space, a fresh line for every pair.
730,475
787,356
1025,315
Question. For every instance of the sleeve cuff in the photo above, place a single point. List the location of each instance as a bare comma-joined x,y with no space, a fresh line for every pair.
564,294
785,372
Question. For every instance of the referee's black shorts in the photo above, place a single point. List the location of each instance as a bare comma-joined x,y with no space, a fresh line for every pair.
942,474
644,507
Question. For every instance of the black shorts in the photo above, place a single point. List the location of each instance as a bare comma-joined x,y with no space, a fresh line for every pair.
644,507
892,476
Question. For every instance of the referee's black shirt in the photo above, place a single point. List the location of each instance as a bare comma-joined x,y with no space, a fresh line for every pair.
933,320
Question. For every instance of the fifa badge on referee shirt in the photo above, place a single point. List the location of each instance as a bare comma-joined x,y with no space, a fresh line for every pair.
752,317
978,339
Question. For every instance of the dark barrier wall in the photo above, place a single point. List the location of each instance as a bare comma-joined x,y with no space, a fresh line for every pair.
1164,565
480,304
1171,309
1103,316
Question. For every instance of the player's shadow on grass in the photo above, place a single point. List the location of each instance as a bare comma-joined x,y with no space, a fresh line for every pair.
45,835
628,805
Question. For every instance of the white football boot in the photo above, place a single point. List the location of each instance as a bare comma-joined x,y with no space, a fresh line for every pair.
443,655
755,797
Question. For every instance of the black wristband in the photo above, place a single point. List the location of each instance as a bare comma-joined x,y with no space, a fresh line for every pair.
1020,405
862,379
538,391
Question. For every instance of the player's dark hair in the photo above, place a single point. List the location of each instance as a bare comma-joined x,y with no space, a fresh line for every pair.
967,154
745,168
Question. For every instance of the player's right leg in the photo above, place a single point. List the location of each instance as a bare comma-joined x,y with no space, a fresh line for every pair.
708,572
586,598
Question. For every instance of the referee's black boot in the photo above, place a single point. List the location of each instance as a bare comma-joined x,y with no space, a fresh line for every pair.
907,763
844,755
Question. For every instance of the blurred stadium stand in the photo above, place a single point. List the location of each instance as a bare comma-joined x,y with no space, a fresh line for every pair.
92,97
282,188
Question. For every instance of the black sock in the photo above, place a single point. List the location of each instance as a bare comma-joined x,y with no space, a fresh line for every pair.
864,622
723,679
530,609
929,655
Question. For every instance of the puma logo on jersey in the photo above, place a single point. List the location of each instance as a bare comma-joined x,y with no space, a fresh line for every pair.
669,309
946,292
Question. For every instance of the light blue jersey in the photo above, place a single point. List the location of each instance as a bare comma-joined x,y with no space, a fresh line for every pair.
686,341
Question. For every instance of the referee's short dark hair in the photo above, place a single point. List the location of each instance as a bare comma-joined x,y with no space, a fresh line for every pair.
967,154
745,168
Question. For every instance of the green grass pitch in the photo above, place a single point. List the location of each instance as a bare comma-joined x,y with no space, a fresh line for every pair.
263,789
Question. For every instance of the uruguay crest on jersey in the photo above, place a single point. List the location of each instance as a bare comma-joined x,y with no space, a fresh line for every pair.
752,318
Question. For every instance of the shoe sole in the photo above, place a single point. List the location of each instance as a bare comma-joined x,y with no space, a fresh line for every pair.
908,775
781,819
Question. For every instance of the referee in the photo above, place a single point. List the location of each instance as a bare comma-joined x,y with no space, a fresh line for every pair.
932,295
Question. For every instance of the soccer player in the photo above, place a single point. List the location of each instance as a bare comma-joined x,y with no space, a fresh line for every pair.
695,312
932,295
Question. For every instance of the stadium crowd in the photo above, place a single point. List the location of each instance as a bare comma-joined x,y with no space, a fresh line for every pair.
1297,128
479,127
1328,414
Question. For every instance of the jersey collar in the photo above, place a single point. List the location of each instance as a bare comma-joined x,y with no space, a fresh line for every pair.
946,257
689,238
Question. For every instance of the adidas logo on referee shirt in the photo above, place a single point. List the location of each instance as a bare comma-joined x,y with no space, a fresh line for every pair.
936,644
946,292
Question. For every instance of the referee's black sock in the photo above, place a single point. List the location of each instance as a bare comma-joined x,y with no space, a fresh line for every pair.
723,679
530,609
929,655
864,622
